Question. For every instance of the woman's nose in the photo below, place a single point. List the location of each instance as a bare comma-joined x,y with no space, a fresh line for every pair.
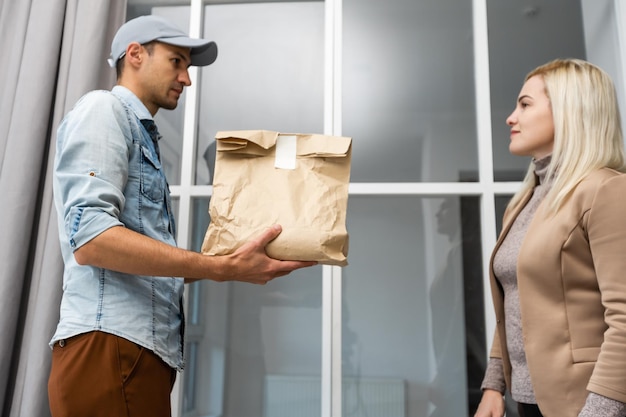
511,119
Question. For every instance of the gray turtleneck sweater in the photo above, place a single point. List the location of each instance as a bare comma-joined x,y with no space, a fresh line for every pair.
505,270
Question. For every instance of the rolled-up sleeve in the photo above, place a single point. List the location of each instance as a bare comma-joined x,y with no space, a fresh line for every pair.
91,167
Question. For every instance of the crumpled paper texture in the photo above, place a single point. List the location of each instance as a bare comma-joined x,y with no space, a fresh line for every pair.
309,202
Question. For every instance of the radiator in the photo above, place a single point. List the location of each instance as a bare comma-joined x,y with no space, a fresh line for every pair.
300,396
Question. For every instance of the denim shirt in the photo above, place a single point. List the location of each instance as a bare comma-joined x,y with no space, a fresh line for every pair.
107,173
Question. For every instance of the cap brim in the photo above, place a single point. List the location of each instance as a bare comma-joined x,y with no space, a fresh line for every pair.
203,52
204,56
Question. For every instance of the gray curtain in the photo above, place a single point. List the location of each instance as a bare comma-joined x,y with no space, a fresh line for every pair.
53,52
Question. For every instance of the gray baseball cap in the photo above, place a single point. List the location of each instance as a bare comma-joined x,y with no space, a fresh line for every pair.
144,29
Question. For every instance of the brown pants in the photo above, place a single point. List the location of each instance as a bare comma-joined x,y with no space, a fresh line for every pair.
97,374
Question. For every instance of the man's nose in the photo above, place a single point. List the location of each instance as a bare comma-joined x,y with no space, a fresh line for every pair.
184,78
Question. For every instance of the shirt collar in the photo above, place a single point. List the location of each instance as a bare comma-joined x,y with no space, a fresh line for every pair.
133,101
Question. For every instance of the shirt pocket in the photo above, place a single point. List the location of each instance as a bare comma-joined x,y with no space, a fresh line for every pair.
152,179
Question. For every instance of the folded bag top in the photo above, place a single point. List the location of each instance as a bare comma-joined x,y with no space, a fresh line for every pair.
299,181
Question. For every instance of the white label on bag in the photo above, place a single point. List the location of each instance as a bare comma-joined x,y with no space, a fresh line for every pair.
285,152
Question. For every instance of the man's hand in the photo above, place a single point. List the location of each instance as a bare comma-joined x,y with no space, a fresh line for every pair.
251,264
123,250
491,404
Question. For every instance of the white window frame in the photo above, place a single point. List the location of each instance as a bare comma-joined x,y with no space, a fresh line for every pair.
486,188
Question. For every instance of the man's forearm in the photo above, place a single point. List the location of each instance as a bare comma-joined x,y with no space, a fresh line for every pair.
123,250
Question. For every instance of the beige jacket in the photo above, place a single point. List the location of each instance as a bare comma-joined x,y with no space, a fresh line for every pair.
571,275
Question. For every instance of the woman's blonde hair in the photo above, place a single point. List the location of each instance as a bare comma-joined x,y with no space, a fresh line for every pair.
587,127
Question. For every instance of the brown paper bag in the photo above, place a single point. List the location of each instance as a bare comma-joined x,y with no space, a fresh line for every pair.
299,181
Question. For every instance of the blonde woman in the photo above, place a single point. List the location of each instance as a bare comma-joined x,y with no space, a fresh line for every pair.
558,271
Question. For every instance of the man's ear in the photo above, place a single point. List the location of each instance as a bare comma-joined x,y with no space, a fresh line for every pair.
134,54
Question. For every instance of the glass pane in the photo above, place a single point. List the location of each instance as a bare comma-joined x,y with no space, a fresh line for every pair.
413,315
501,202
408,90
191,359
521,37
259,347
175,206
268,75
